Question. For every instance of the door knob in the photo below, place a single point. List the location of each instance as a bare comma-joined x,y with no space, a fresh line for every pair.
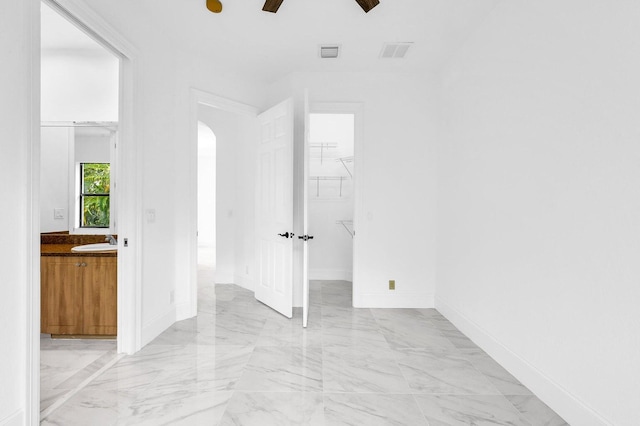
287,235
305,237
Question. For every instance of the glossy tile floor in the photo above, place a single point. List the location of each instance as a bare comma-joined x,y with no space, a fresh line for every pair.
239,363
66,364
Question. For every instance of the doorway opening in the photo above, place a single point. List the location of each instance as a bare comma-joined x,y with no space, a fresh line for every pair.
83,127
331,199
206,204
221,185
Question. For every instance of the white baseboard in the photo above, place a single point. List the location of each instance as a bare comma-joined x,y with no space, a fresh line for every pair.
392,299
156,326
224,278
15,419
563,402
243,281
331,275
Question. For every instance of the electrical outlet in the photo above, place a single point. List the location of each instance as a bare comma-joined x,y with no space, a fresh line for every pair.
151,215
172,296
392,284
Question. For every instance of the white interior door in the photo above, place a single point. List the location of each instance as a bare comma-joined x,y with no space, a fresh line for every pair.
305,216
274,209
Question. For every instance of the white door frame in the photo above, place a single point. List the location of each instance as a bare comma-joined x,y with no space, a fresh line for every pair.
32,391
129,192
189,308
357,109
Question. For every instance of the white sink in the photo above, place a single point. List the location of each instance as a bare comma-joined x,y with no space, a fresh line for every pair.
95,247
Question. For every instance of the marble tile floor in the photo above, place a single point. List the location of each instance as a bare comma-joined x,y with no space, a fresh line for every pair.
66,365
240,363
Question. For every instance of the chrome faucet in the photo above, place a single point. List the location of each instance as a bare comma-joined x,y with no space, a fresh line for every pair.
111,239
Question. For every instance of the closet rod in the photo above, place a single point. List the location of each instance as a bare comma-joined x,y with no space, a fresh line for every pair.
322,146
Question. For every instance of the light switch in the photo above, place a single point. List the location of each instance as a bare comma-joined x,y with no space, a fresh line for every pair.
58,213
151,215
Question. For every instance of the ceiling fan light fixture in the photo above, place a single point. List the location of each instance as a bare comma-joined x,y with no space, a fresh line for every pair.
329,51
367,5
214,6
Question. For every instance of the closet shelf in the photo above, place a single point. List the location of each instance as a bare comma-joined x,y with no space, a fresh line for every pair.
322,146
317,179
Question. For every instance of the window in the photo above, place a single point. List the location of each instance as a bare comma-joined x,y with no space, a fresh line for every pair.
95,200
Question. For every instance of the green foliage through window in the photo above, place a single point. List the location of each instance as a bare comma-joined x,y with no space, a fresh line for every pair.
95,185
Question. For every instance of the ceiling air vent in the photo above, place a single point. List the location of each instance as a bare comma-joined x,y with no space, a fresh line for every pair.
395,50
329,51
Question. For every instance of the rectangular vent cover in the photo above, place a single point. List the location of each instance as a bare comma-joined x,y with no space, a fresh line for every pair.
329,51
395,50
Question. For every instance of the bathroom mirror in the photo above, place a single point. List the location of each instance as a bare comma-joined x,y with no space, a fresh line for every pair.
77,178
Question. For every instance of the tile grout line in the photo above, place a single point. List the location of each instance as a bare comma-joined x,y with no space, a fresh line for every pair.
53,407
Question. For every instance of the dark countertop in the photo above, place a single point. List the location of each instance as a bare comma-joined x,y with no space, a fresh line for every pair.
65,250
60,244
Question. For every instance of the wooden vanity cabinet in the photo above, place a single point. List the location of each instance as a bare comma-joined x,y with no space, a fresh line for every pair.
99,296
79,295
61,295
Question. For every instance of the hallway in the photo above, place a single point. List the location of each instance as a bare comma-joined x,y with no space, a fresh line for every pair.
240,363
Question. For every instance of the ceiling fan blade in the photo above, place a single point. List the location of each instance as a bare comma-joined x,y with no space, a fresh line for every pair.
367,5
272,5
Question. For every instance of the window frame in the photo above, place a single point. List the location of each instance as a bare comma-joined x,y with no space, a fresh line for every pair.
82,195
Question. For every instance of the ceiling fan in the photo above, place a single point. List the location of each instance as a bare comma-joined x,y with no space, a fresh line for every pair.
215,6
273,5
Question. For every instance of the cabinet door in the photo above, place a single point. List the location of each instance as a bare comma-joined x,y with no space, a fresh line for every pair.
100,300
61,294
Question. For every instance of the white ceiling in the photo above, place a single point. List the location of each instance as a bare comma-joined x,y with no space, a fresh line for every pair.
249,42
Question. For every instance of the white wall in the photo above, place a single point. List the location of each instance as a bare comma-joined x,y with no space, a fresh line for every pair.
539,233
161,149
79,85
54,178
18,125
245,184
331,251
396,171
